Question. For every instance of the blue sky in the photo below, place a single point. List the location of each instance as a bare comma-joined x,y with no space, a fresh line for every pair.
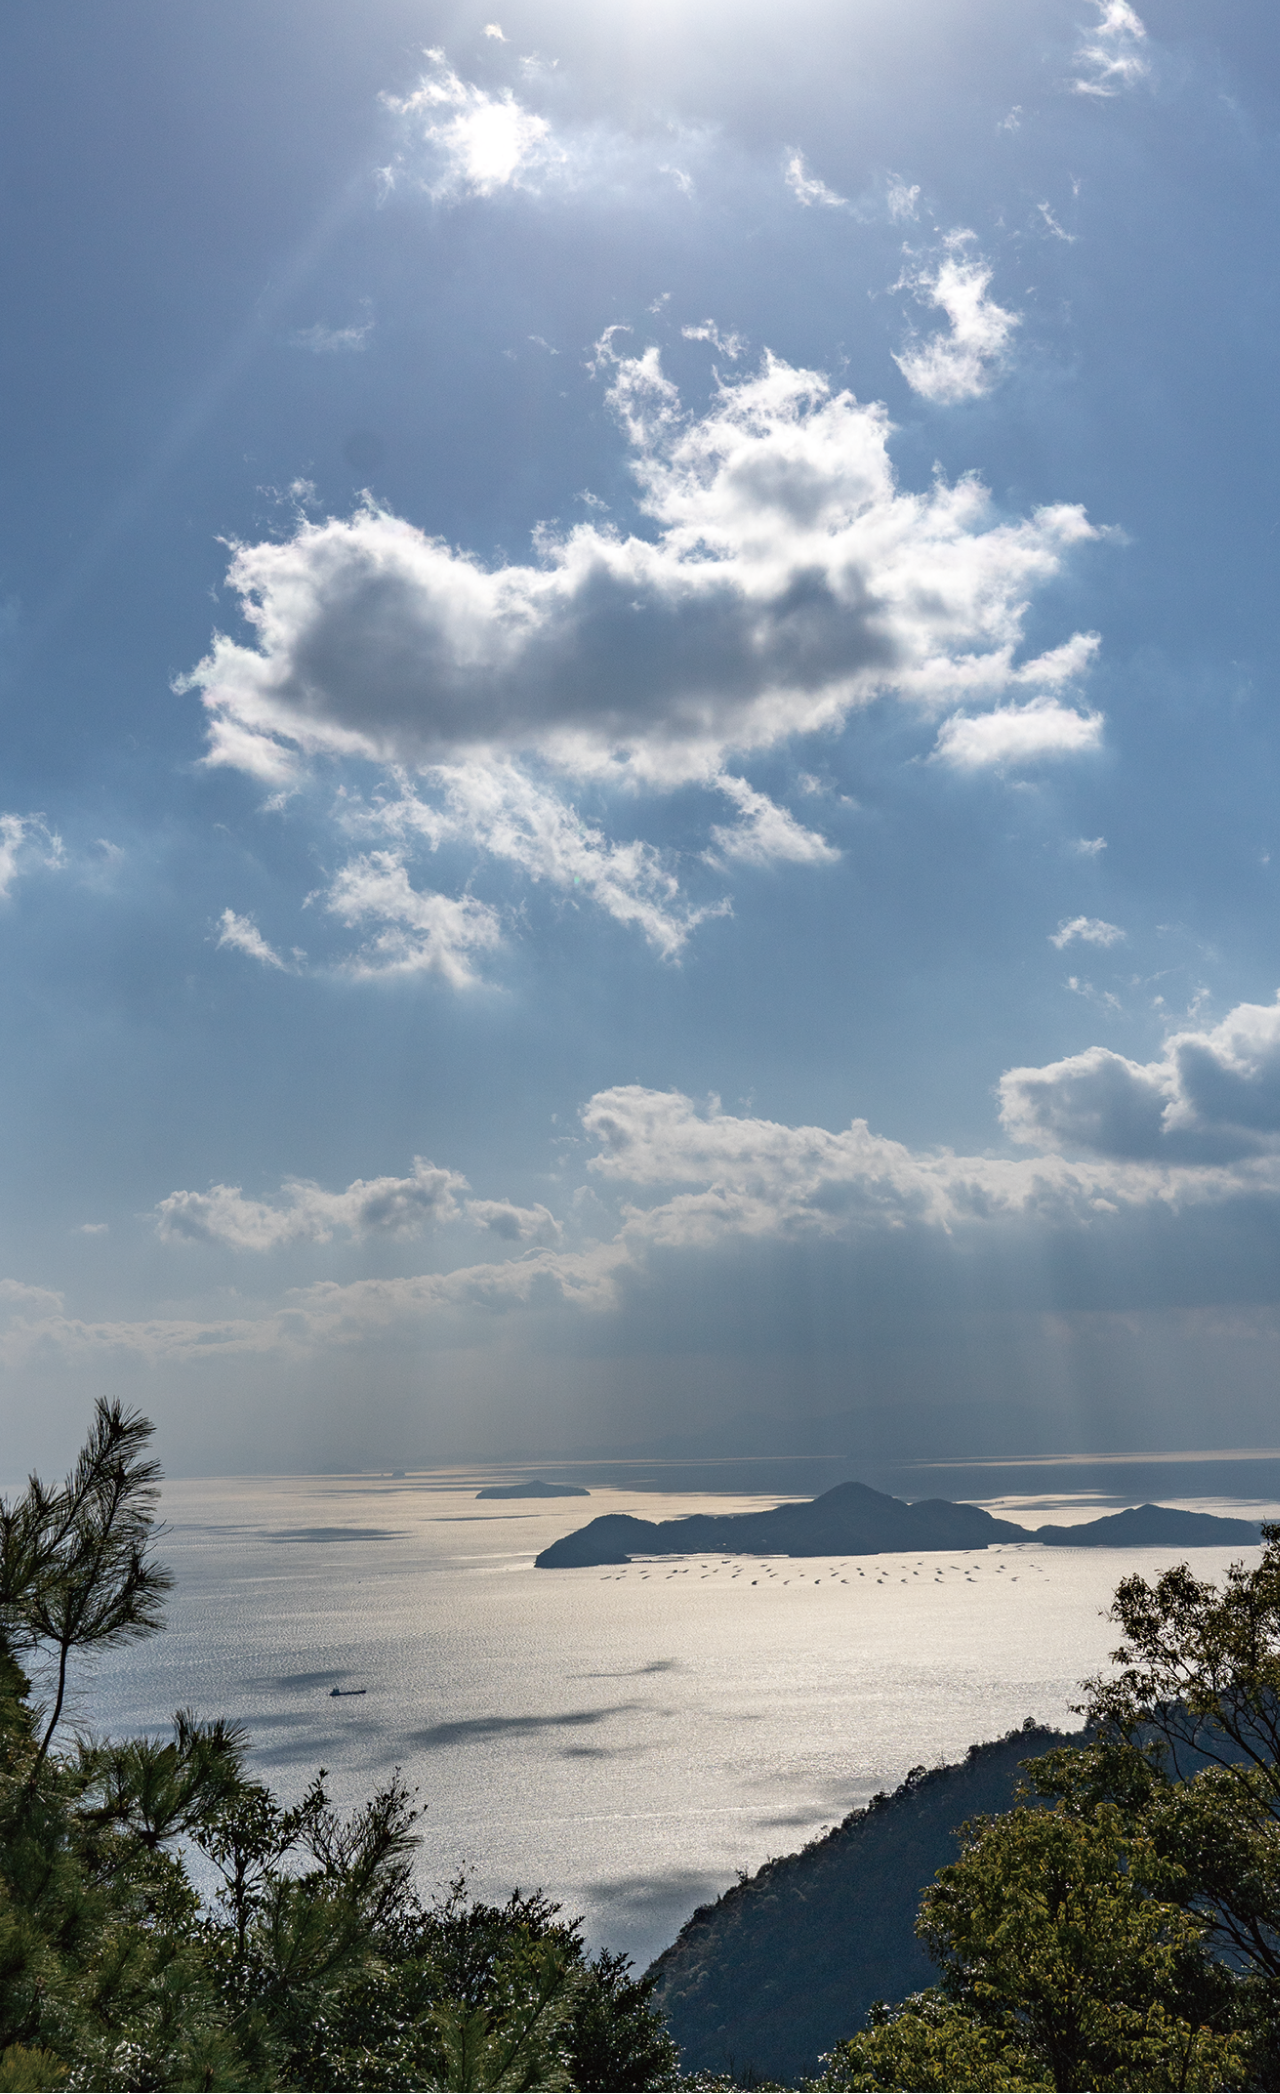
639,674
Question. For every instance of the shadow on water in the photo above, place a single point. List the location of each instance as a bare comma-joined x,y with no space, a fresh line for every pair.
635,1672
472,1728
337,1534
659,1902
295,1682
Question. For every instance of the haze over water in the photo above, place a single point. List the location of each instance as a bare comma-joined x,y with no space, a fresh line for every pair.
625,1739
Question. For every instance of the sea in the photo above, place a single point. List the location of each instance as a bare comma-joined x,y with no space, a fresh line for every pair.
626,1740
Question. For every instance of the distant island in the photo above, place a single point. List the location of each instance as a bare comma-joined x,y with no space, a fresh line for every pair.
534,1490
854,1520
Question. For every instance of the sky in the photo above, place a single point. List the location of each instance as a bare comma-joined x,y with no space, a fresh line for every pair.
639,675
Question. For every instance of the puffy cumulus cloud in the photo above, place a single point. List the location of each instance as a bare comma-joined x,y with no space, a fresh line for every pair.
966,360
786,580
1086,930
515,1224
1213,1096
309,1214
1014,735
755,1177
724,1177
1113,56
27,844
306,1213
421,931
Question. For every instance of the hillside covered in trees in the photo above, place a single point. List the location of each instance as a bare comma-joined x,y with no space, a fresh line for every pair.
792,1958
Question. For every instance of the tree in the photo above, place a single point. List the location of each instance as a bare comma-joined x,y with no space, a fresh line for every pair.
314,1964
76,1570
1063,1964
1126,1933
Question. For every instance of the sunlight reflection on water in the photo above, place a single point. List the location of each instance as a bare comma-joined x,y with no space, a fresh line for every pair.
628,1740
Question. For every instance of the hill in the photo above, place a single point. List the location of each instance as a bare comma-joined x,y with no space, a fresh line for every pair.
788,1961
854,1520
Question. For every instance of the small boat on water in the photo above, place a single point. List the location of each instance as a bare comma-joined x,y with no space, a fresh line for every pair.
334,1692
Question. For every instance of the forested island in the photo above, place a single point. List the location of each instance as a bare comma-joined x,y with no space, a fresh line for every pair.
1095,1911
854,1520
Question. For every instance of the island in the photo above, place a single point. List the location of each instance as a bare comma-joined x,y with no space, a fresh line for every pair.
854,1520
534,1490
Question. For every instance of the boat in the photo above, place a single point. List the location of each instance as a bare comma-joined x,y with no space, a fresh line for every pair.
334,1692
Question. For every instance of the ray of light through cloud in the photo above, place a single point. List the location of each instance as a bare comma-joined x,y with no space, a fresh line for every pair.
644,656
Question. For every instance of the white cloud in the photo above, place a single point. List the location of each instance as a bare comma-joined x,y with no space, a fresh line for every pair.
1086,930
308,1214
808,189
305,1213
730,345
1090,846
1104,998
766,834
1113,57
26,844
332,341
462,140
1199,1128
500,808
1213,1096
1051,225
494,29
242,934
478,142
965,362
1018,734
753,1178
514,1224
784,582
787,580
902,199
422,932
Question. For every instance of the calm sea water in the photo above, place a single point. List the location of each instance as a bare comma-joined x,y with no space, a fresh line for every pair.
627,1740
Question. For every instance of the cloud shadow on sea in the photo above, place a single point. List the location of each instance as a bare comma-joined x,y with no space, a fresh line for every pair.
647,1912
634,1672
471,1729
283,1534
294,1682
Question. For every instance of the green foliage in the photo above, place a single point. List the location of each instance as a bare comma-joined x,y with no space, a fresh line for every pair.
76,1572
314,1965
1126,1932
932,2045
